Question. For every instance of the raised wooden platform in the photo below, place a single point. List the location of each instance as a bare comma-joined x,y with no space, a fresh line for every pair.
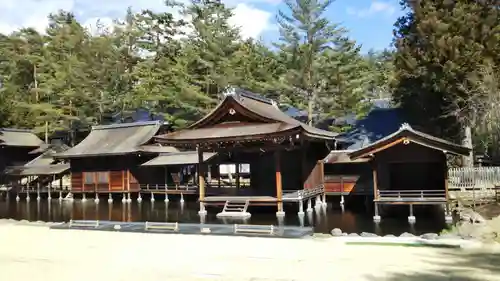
411,197
251,199
413,201
190,228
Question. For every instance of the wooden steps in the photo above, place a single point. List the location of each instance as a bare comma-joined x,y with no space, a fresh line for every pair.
235,209
161,226
254,229
83,223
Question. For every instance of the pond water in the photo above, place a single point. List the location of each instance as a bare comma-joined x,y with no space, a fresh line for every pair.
350,219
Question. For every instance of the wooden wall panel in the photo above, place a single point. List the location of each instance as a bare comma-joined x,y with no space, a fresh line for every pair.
76,181
89,187
116,180
340,183
338,187
132,182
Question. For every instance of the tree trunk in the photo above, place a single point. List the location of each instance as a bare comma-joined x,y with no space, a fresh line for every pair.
468,161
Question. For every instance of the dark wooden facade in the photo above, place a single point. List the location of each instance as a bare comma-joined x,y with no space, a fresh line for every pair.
283,153
344,176
109,159
409,167
16,146
106,174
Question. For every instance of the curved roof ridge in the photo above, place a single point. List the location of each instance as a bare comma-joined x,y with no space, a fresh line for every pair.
125,125
119,139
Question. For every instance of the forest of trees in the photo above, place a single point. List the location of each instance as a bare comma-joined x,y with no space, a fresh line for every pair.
179,68
443,70
447,66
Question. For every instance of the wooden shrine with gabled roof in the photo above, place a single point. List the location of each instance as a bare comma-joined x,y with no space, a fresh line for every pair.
15,148
282,152
409,167
108,160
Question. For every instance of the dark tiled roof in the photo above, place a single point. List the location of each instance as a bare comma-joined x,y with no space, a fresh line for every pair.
379,123
19,137
179,158
158,149
221,133
405,131
116,139
41,165
342,156
53,148
37,170
271,120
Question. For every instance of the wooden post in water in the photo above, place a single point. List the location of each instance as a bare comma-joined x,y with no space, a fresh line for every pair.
201,182
279,187
237,170
447,215
376,217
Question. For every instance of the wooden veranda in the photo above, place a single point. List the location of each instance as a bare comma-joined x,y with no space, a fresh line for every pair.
247,128
409,168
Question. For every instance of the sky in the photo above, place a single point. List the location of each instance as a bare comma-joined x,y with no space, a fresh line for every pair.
369,22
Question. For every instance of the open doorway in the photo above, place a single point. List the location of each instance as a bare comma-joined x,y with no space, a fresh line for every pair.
416,176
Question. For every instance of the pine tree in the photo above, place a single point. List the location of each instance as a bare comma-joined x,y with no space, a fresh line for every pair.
215,41
308,40
67,81
439,44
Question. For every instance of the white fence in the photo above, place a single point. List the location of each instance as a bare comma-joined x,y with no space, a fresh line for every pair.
474,185
466,178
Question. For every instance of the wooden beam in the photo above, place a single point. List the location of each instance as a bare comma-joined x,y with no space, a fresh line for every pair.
445,168
303,160
237,170
375,180
279,187
128,180
391,144
123,180
201,179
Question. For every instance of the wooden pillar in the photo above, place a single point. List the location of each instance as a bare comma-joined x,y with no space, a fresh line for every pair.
201,180
220,174
376,217
447,212
303,160
237,170
209,173
128,180
446,182
375,180
166,176
279,187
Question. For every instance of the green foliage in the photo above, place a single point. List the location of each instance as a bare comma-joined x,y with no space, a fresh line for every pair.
325,71
177,64
440,44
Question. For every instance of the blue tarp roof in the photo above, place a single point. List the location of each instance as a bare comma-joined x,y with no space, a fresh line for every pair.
379,123
139,115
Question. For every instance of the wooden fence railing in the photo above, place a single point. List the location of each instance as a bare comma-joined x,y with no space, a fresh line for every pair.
473,177
474,185
411,194
316,178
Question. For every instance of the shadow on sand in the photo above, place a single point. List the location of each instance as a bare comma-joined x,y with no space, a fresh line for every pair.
454,265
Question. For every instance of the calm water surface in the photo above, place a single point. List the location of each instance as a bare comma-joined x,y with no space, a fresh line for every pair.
352,219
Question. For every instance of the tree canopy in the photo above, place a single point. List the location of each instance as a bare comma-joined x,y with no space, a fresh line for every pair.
178,65
447,65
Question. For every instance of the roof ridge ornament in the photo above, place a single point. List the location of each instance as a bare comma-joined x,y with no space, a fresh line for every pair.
230,91
405,126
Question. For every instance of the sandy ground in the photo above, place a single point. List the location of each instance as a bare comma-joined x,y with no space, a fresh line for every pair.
37,253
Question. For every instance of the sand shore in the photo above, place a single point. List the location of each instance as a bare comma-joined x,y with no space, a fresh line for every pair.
38,253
